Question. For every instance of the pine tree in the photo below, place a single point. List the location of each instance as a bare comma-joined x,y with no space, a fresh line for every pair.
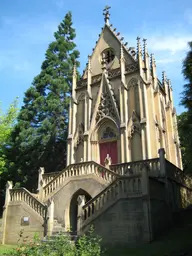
39,138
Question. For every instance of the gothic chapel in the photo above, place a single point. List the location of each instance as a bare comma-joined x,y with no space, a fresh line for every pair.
119,107
124,169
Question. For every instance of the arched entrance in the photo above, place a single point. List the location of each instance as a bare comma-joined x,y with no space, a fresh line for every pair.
75,204
108,144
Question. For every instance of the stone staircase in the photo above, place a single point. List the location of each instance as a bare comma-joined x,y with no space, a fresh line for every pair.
58,227
123,187
120,182
78,170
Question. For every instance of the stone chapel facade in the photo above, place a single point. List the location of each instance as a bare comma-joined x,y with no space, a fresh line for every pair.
120,107
124,169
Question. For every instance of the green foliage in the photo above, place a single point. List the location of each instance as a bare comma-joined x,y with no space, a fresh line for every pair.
185,119
39,138
87,245
185,134
7,121
187,72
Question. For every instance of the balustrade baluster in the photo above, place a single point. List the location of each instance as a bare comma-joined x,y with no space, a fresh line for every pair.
134,185
89,211
85,214
139,185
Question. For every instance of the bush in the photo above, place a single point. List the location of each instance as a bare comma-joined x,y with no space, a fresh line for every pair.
86,245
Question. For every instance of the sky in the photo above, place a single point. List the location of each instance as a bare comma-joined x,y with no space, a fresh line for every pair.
27,27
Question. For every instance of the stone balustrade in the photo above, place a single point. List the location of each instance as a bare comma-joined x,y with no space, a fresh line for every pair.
122,187
176,174
133,168
79,169
23,195
47,177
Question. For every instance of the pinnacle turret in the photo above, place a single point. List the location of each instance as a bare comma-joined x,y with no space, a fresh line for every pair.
106,14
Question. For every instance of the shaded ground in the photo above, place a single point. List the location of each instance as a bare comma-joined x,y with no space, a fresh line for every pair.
176,242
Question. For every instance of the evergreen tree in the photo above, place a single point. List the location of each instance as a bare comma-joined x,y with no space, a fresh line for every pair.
185,119
187,72
39,138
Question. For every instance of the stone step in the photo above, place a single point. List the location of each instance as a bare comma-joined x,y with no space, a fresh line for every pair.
72,235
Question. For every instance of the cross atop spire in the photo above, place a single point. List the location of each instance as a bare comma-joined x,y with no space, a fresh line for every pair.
106,14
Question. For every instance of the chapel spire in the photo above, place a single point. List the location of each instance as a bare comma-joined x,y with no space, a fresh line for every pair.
106,14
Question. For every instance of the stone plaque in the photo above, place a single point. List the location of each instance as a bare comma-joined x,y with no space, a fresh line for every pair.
25,221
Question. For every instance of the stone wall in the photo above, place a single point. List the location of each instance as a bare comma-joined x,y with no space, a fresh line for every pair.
14,225
161,212
122,223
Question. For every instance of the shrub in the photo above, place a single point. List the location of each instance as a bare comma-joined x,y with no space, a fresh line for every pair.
86,245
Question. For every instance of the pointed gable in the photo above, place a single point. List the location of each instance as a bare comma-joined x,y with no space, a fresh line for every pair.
107,40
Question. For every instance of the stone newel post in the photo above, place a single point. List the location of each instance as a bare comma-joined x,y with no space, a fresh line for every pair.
164,173
9,186
161,153
147,227
50,217
81,200
40,182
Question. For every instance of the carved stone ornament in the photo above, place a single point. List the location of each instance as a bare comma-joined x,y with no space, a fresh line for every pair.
80,136
132,83
105,108
108,161
134,125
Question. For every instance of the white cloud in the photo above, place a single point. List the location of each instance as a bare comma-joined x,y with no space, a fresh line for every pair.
172,44
168,60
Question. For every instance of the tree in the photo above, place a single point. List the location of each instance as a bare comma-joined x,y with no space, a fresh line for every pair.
7,121
39,138
187,72
185,134
185,119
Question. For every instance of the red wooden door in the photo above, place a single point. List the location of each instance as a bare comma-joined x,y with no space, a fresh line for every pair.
108,148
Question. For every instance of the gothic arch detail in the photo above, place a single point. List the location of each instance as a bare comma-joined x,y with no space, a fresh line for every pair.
132,83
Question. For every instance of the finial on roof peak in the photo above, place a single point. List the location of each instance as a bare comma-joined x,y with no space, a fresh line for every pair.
106,14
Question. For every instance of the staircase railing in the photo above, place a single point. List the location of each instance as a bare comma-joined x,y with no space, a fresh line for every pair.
47,177
122,187
22,194
176,174
133,168
79,169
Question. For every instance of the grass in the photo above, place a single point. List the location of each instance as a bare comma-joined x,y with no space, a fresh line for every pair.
6,248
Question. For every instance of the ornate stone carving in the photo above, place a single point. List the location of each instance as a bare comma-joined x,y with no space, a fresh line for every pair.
105,108
132,83
96,79
114,73
131,68
107,161
134,125
80,136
